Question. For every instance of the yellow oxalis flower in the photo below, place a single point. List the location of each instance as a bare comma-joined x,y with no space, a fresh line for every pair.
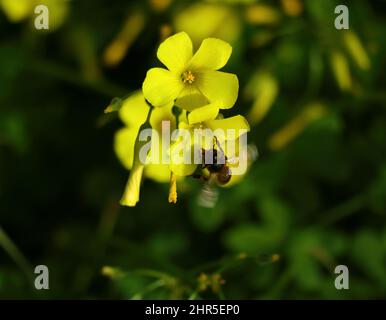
133,113
205,118
191,80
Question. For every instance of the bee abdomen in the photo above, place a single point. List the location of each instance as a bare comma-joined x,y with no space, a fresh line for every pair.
224,176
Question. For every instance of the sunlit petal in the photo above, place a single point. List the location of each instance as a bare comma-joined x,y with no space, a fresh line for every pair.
219,87
134,110
190,98
124,141
207,112
175,52
237,123
161,87
213,54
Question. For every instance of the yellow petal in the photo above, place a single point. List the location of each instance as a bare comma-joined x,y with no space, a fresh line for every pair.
356,49
292,7
162,114
175,52
263,87
157,172
182,170
213,54
219,87
131,194
124,141
203,19
341,69
154,168
178,150
207,112
161,87
262,14
191,98
17,10
117,49
296,126
237,123
134,110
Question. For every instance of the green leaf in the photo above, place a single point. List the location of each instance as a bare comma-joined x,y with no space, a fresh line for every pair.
368,254
251,239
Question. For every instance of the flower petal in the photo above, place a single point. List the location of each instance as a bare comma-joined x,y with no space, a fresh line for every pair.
237,123
219,86
190,98
158,172
17,10
182,158
161,87
124,141
162,114
181,169
175,52
207,112
134,110
213,54
131,195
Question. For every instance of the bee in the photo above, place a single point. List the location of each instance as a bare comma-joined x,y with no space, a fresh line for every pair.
216,171
216,167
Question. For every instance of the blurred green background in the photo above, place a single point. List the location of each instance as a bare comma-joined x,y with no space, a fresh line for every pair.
315,197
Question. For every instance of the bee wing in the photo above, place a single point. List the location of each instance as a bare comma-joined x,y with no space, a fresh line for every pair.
252,155
208,195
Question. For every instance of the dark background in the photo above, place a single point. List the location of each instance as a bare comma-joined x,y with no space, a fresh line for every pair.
315,202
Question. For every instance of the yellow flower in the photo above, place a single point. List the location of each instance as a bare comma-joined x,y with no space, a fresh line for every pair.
134,113
191,80
200,120
131,195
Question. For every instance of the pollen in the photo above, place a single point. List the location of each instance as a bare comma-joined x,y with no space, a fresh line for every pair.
188,77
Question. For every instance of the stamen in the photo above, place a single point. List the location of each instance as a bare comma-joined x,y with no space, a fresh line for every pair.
188,77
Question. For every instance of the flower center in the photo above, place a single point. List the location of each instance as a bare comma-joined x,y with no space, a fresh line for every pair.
188,77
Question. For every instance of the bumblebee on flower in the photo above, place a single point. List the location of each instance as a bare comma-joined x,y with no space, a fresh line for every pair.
189,94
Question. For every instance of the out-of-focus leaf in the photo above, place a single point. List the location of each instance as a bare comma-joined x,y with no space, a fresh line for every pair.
250,238
369,255
166,245
378,193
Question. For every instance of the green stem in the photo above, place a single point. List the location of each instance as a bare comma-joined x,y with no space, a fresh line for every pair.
193,295
279,286
176,111
344,210
151,287
17,256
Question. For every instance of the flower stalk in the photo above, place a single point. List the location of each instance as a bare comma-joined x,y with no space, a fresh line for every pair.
132,191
